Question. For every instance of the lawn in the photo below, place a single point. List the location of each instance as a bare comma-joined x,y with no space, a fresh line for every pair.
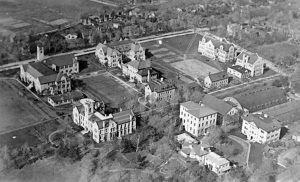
182,43
33,135
195,68
256,154
15,110
108,89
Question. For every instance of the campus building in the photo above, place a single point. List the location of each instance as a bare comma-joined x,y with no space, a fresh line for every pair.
131,49
140,70
216,163
251,62
103,127
220,106
197,119
44,80
216,80
107,55
159,90
215,47
238,71
260,128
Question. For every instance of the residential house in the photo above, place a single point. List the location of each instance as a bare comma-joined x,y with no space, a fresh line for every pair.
140,70
220,106
107,55
103,127
238,71
234,30
63,99
194,151
159,90
215,47
185,138
251,62
197,119
258,98
44,80
216,80
216,163
260,128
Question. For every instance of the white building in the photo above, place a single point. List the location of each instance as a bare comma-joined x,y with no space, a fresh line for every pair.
260,128
216,163
197,119
107,55
251,62
103,127
216,80
215,47
159,90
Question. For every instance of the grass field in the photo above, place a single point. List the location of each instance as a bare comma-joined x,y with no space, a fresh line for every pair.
31,11
15,111
194,68
183,42
108,89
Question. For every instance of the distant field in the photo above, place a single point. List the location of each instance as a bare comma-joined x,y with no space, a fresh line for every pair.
31,11
194,68
15,111
183,42
107,88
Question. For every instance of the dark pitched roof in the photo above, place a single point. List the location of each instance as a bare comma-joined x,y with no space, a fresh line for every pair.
38,69
218,76
262,121
161,86
62,60
254,99
239,69
140,64
219,105
123,116
51,78
198,110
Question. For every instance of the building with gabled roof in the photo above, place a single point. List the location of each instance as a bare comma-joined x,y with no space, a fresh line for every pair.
261,128
140,70
215,47
216,163
67,64
103,127
67,98
250,61
216,80
108,55
220,106
159,90
45,80
197,119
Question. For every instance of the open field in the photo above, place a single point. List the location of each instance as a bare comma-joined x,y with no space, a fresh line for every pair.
15,111
107,88
256,154
195,68
185,43
32,135
39,15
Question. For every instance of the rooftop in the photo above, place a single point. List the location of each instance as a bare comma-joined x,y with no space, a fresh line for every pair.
140,64
123,116
253,57
62,60
38,69
198,110
75,95
218,76
239,69
263,121
161,86
254,99
216,159
217,104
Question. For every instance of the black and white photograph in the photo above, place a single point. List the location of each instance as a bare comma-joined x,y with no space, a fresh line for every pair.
149,90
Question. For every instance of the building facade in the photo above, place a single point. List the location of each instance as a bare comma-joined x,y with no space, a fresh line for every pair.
260,128
238,72
44,80
251,62
197,119
216,163
103,127
216,80
159,90
107,55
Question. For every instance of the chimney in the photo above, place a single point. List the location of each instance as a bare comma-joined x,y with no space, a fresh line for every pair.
148,76
39,53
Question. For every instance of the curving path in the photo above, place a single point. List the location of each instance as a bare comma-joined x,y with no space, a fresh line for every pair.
245,144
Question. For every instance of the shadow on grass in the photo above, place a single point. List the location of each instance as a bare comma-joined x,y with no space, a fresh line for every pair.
283,131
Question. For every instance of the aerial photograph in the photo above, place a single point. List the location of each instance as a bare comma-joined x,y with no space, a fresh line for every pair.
149,90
